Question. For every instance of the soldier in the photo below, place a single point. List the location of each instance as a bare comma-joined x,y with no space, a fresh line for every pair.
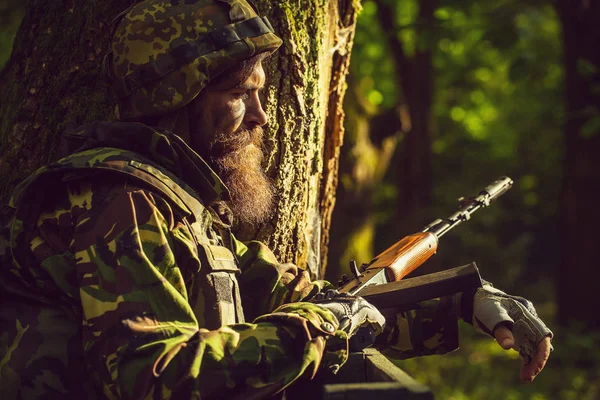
124,281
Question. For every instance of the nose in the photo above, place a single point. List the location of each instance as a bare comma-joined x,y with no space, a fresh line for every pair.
255,115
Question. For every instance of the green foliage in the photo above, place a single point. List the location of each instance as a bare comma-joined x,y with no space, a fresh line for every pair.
497,110
591,126
371,62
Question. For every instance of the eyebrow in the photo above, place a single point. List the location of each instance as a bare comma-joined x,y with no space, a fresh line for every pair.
250,87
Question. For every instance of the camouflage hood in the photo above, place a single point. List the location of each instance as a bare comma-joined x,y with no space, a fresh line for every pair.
160,146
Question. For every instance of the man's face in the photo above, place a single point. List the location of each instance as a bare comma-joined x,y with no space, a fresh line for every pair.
226,129
223,111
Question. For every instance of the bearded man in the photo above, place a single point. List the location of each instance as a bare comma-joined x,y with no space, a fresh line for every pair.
124,280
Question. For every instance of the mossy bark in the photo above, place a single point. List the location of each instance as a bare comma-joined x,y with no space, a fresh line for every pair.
304,97
54,79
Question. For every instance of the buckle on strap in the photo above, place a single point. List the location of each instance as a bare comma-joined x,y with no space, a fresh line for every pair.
239,31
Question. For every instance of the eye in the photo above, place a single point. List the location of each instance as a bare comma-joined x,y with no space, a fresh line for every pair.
241,95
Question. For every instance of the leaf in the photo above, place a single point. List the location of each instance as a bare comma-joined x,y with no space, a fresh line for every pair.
503,35
586,68
519,70
591,127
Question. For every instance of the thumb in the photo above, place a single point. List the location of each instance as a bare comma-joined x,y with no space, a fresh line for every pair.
504,336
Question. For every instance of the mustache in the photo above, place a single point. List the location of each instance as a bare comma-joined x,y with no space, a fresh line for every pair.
227,143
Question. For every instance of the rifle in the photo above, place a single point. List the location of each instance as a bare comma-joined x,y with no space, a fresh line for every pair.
379,281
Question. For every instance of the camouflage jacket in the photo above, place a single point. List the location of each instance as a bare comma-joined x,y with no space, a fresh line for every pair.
100,286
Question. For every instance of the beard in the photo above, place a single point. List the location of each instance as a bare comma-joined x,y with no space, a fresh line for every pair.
237,158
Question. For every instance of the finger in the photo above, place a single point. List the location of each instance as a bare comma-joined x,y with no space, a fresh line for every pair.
504,337
531,370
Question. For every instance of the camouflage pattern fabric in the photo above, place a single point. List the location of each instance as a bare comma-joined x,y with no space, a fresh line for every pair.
165,52
429,329
99,277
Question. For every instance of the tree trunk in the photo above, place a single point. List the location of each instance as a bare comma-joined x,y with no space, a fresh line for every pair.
414,169
307,85
51,79
54,78
577,282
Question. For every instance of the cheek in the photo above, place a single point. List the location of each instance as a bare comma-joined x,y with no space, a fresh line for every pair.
230,116
236,110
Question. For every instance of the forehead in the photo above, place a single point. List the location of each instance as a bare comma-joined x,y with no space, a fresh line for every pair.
237,77
256,79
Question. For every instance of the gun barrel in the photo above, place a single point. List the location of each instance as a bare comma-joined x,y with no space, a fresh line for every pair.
490,193
495,189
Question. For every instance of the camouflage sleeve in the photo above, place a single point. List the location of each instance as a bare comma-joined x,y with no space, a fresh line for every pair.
140,335
430,328
267,284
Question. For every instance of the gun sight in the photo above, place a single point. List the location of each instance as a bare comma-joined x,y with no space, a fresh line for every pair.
495,190
469,205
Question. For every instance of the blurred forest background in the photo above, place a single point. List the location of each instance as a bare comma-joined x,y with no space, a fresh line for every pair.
445,96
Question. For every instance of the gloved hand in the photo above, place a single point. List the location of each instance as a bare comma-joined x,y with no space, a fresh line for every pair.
513,321
352,312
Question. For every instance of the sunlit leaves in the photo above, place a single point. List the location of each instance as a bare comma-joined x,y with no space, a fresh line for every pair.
371,64
592,126
406,13
375,97
586,68
458,113
497,110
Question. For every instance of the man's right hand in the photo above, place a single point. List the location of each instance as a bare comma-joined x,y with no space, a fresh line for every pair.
352,312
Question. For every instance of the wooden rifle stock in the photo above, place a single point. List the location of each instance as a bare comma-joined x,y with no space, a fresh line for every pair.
394,263
404,256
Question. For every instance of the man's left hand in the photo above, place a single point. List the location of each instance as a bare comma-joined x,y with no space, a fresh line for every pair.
514,323
530,369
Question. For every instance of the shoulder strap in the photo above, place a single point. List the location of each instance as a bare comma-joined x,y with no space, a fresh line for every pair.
119,161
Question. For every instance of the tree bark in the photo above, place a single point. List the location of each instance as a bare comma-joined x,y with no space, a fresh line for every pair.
577,282
53,79
305,94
